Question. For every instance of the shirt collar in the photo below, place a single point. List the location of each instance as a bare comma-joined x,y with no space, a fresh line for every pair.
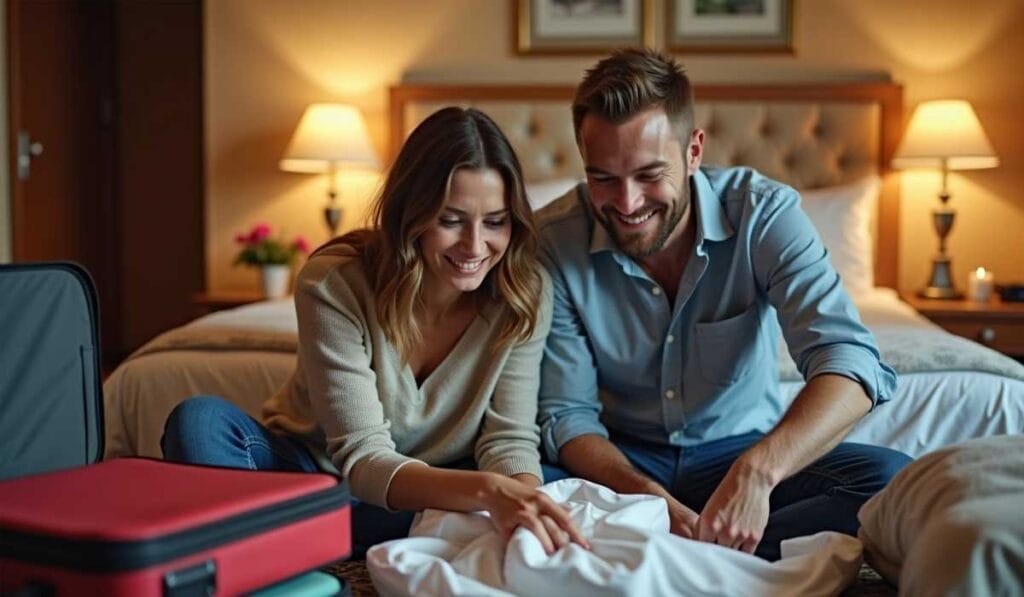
712,223
600,240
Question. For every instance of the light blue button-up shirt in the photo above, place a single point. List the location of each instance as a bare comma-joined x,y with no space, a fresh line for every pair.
620,356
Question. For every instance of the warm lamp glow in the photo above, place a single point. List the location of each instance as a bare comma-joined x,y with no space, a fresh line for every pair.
329,135
945,130
947,135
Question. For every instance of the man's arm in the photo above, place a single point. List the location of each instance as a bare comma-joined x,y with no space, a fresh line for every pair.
832,349
820,417
596,458
569,409
568,404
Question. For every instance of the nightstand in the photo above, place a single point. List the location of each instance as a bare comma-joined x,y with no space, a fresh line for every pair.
996,324
208,302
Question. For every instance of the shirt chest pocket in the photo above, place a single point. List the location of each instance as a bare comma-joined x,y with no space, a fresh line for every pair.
730,349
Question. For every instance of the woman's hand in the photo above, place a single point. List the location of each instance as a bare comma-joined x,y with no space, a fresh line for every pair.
514,504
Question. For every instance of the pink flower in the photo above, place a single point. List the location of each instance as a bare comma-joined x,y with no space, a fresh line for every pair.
260,232
260,247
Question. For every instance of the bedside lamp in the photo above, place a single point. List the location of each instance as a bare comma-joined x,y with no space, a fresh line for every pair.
947,135
329,136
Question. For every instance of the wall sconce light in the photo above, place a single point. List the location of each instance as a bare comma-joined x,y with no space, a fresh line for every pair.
329,136
947,135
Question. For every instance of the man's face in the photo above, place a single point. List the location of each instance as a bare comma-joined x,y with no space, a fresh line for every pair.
638,174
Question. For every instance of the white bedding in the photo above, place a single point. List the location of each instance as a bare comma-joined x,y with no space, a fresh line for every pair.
246,354
632,553
930,409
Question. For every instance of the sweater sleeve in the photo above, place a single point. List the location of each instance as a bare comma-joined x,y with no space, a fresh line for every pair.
342,385
509,436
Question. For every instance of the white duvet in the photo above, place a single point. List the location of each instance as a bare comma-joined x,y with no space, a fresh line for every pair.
632,553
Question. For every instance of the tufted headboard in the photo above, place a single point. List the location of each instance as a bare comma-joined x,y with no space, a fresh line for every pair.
808,136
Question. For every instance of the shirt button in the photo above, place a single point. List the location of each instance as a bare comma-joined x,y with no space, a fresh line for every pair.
655,290
670,339
670,394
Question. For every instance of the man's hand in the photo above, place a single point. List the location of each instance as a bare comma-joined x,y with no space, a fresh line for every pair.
737,512
683,520
822,414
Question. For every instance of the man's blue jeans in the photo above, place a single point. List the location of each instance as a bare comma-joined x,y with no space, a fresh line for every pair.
212,431
824,496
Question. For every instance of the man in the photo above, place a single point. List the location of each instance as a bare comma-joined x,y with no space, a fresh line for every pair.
660,372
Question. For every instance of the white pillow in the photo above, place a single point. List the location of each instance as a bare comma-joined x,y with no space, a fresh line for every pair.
842,216
540,194
951,522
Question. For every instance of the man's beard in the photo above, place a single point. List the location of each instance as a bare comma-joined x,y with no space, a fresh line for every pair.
633,244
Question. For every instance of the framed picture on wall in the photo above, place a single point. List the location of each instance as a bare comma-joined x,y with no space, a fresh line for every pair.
730,26
580,26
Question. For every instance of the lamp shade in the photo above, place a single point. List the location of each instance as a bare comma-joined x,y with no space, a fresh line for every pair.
945,130
329,135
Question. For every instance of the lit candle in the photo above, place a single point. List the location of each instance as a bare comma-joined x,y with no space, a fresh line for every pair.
979,285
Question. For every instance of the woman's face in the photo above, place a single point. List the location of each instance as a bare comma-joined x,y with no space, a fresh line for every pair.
470,235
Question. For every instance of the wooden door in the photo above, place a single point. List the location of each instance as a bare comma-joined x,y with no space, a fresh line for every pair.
110,93
61,85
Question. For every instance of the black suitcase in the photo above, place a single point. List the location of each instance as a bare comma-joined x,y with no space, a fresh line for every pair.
51,399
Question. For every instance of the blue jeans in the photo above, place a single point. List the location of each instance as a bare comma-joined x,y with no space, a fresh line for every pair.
824,496
212,431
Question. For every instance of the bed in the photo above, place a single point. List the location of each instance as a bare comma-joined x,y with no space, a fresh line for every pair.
834,142
950,389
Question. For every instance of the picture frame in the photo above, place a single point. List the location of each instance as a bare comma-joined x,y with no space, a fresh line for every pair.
730,26
581,26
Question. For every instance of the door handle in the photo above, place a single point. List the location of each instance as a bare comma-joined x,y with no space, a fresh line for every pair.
27,149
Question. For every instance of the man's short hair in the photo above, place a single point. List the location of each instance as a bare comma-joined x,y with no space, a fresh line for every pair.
630,81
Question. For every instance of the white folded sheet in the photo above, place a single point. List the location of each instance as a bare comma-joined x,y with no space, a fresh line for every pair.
632,553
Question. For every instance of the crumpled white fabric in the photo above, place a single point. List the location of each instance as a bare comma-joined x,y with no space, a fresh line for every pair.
633,553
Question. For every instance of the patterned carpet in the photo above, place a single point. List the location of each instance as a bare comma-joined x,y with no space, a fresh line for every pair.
356,576
869,584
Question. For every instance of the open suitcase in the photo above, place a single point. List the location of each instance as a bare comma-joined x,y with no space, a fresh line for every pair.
69,526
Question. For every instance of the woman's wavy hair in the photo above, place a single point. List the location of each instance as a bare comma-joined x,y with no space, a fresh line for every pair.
414,193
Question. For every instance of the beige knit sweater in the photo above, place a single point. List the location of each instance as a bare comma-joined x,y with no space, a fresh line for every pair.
353,399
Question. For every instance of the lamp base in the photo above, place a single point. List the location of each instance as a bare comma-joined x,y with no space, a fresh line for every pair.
332,216
940,283
937,292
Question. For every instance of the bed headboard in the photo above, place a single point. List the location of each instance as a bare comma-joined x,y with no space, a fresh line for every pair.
808,136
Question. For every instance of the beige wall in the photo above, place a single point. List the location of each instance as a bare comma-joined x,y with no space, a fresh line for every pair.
266,60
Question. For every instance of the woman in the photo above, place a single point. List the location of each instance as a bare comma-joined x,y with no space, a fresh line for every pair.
419,350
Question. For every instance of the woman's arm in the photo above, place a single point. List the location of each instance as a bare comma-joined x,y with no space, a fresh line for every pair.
340,379
510,502
509,438
343,395
509,441
528,479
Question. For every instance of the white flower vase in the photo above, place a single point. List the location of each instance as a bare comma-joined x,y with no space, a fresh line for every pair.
275,280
